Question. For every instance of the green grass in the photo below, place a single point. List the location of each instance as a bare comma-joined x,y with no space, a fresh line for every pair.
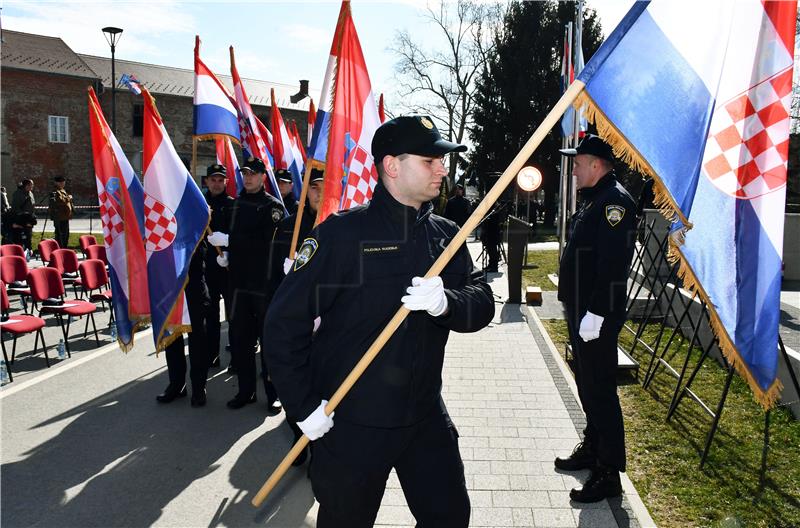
543,262
544,234
663,457
73,238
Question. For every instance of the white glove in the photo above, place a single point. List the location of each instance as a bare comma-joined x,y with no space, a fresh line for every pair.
426,294
590,326
218,239
287,265
317,423
222,260
317,322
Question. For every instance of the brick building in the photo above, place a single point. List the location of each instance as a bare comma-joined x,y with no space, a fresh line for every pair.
45,121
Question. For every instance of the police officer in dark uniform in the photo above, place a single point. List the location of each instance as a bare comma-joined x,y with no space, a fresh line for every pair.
216,276
197,302
593,275
285,185
355,271
283,238
254,219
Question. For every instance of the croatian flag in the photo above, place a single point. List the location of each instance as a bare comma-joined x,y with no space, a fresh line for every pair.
121,200
282,148
176,216
132,83
702,102
214,111
226,156
256,140
297,143
568,71
312,117
350,173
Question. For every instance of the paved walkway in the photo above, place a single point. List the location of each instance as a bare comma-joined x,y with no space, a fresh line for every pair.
85,444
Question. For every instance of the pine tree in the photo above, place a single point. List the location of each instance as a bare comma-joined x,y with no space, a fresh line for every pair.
519,86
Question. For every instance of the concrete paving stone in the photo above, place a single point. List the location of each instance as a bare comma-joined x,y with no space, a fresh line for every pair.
466,453
500,421
514,454
553,443
530,413
507,413
393,497
594,518
546,482
491,482
520,442
480,498
486,453
574,480
518,482
522,516
521,499
532,432
554,413
560,499
399,515
478,467
516,468
473,441
539,455
562,432
553,518
495,517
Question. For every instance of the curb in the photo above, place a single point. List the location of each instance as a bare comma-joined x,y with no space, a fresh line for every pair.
637,506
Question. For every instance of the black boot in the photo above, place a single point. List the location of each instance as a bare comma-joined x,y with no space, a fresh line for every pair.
273,403
198,397
582,457
603,484
240,400
171,392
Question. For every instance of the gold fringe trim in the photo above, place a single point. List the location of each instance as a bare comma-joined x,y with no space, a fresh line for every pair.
766,398
176,332
138,322
670,210
630,156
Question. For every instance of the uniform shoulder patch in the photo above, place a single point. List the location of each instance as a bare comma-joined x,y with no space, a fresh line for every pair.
614,214
305,253
277,214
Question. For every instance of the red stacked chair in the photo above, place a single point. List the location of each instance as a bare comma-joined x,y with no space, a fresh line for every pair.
97,252
19,325
84,241
94,280
47,289
66,262
12,250
14,272
46,248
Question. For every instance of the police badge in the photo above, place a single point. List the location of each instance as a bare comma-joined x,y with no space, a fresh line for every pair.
614,214
277,214
307,251
426,122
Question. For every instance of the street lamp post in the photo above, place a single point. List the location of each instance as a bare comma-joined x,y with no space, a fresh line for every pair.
112,35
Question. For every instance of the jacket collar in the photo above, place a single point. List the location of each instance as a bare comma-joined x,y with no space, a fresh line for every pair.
384,203
609,180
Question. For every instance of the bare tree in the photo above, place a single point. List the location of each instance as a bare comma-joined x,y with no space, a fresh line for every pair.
440,82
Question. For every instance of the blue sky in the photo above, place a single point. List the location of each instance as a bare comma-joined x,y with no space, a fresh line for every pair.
275,41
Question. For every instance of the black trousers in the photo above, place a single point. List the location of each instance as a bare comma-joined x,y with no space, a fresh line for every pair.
198,345
62,232
248,309
351,463
217,282
596,377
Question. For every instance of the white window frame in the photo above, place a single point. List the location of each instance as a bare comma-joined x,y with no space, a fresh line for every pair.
58,129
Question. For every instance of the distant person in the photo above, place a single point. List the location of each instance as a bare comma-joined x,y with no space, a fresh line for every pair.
285,186
60,209
458,208
23,213
5,219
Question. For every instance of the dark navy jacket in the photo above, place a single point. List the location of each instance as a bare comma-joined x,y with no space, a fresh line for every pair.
361,262
593,271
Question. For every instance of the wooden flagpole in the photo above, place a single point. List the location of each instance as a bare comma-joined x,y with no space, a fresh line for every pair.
300,208
480,211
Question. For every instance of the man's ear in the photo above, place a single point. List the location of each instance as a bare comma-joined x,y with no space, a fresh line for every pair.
391,166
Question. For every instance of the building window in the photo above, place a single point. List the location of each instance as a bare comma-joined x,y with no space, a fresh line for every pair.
58,129
138,120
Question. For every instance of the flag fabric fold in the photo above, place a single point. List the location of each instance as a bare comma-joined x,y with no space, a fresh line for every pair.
176,217
226,157
312,117
121,200
282,147
719,82
350,173
214,110
132,83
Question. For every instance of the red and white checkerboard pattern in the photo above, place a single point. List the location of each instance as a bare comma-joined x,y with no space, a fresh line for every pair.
748,144
362,178
110,218
160,227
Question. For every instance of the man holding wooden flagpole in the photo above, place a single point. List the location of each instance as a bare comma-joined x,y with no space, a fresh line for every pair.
354,271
